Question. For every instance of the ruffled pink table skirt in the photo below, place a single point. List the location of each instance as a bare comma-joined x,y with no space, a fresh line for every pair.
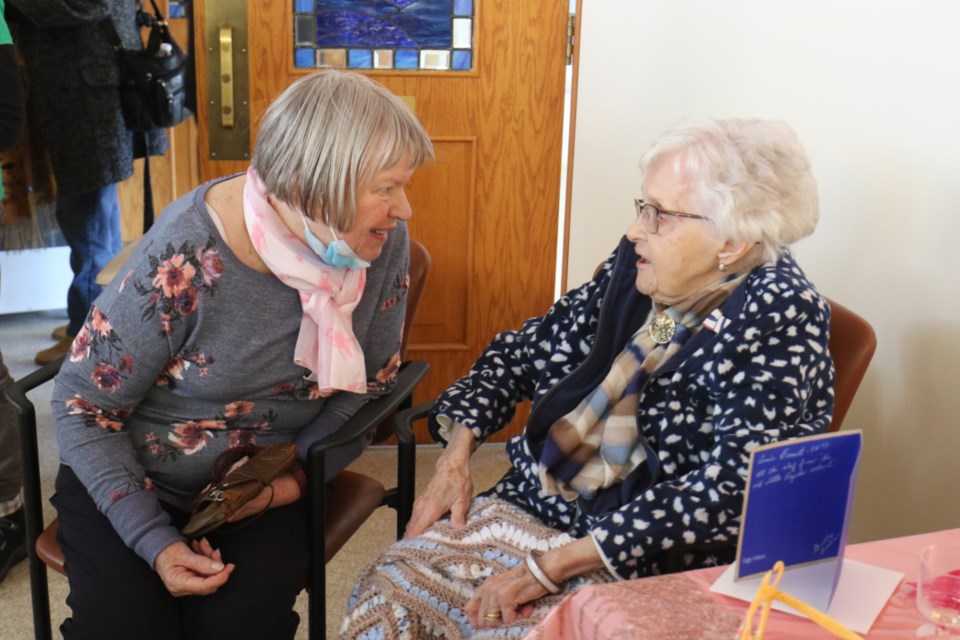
680,606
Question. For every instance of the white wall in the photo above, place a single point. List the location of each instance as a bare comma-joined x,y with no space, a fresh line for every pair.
34,279
873,90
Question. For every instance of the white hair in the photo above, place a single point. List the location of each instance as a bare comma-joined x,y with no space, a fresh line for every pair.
326,135
751,177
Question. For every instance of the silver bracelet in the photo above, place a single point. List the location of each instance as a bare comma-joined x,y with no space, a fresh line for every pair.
539,575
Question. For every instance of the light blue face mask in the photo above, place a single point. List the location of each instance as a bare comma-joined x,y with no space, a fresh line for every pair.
338,254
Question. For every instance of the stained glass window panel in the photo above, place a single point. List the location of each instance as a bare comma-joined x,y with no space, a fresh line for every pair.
331,58
177,9
435,60
419,34
360,58
461,33
304,30
462,60
383,59
407,59
304,58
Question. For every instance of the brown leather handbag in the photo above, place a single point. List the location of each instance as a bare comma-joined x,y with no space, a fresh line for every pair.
241,484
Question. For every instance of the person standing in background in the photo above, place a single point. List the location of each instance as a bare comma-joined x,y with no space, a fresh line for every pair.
72,73
13,547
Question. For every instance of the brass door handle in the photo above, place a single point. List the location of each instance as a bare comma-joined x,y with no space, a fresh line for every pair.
226,77
226,82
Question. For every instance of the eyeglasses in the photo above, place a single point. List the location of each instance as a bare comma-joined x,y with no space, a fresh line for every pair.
651,215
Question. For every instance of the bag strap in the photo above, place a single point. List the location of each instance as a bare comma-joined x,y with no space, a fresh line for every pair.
147,186
157,14
143,19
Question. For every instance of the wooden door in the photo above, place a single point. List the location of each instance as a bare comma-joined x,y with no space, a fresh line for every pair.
487,209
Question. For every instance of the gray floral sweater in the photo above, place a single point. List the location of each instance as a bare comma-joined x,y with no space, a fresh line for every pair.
757,372
189,352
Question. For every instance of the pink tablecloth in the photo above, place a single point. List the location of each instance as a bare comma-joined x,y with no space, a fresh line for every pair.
680,606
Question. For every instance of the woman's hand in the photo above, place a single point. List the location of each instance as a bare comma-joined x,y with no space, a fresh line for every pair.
512,593
283,490
508,596
450,489
192,572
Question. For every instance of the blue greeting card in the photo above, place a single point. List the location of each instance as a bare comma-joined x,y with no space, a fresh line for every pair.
797,509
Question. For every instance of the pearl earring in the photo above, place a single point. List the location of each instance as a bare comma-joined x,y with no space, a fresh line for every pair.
723,267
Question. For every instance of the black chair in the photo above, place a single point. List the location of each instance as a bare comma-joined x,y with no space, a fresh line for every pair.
350,498
338,509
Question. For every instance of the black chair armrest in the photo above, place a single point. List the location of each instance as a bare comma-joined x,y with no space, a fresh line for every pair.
29,453
17,392
404,419
368,417
32,502
370,414
358,426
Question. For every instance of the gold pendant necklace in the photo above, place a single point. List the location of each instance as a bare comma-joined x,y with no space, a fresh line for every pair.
662,328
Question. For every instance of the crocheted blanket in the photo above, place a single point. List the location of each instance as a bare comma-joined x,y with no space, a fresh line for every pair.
417,588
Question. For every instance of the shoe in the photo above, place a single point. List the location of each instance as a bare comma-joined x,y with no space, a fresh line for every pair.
59,333
58,350
13,542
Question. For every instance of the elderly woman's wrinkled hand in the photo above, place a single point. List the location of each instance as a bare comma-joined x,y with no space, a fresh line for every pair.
450,489
192,572
503,599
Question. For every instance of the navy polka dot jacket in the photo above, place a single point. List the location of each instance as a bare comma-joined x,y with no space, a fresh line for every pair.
761,374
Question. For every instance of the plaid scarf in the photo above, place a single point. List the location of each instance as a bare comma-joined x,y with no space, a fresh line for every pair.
598,444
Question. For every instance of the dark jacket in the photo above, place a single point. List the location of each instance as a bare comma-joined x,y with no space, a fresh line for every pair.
765,374
11,98
72,79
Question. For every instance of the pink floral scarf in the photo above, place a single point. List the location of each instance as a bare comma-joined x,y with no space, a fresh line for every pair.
326,344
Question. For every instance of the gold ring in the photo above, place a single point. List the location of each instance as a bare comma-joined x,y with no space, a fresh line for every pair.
491,616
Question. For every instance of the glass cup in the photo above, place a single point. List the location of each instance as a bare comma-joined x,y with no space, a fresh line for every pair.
938,590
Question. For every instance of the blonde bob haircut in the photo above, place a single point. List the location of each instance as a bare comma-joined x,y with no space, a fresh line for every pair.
751,177
328,134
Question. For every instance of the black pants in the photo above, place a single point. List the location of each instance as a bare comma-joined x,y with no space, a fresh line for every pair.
115,594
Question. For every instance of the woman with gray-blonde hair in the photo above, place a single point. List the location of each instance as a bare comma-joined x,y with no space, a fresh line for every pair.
697,340
261,308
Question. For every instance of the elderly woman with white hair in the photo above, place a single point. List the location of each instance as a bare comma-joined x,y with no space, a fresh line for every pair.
697,341
261,308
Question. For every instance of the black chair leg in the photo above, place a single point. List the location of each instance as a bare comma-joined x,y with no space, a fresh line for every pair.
42,629
317,583
406,476
39,589
33,516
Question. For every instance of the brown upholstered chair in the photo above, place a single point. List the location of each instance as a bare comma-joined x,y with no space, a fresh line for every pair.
337,510
852,343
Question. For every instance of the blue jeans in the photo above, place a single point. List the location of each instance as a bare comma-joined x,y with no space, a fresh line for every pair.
90,222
